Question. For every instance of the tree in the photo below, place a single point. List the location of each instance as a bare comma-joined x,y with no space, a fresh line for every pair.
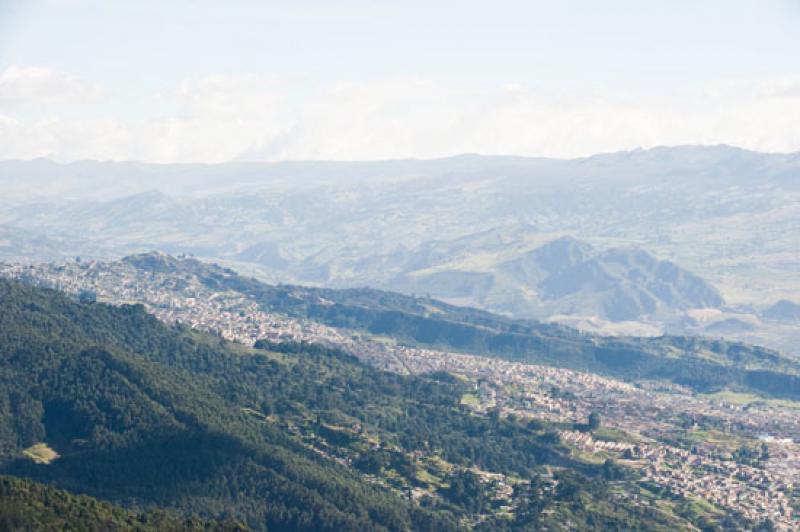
593,423
764,452
613,471
466,490
765,526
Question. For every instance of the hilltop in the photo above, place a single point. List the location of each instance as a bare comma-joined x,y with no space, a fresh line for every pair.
568,277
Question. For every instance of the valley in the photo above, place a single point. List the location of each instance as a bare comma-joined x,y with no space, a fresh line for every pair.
465,229
399,267
678,440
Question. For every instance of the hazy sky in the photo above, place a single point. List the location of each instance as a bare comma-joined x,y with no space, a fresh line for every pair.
212,81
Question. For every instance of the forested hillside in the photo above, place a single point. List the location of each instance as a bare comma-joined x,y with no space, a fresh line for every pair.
705,365
285,437
137,415
26,506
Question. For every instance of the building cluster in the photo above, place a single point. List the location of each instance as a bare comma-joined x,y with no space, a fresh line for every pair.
756,493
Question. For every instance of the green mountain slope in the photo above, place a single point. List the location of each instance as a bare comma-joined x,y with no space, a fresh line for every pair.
285,437
136,414
706,365
28,506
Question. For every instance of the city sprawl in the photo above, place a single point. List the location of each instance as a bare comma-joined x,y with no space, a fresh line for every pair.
730,450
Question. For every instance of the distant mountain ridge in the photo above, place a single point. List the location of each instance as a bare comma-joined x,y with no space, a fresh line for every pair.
451,227
783,310
111,179
569,277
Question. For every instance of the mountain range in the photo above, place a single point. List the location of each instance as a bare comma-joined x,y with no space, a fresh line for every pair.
464,228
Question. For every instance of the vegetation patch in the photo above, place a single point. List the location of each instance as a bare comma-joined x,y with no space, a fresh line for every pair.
470,400
41,453
615,435
712,437
749,399
381,339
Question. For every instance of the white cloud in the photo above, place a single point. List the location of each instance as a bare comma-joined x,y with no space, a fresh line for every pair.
787,87
254,116
43,86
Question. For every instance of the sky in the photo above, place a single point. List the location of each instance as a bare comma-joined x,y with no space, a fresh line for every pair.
211,81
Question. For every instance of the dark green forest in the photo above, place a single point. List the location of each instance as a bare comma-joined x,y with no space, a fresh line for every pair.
278,437
26,506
